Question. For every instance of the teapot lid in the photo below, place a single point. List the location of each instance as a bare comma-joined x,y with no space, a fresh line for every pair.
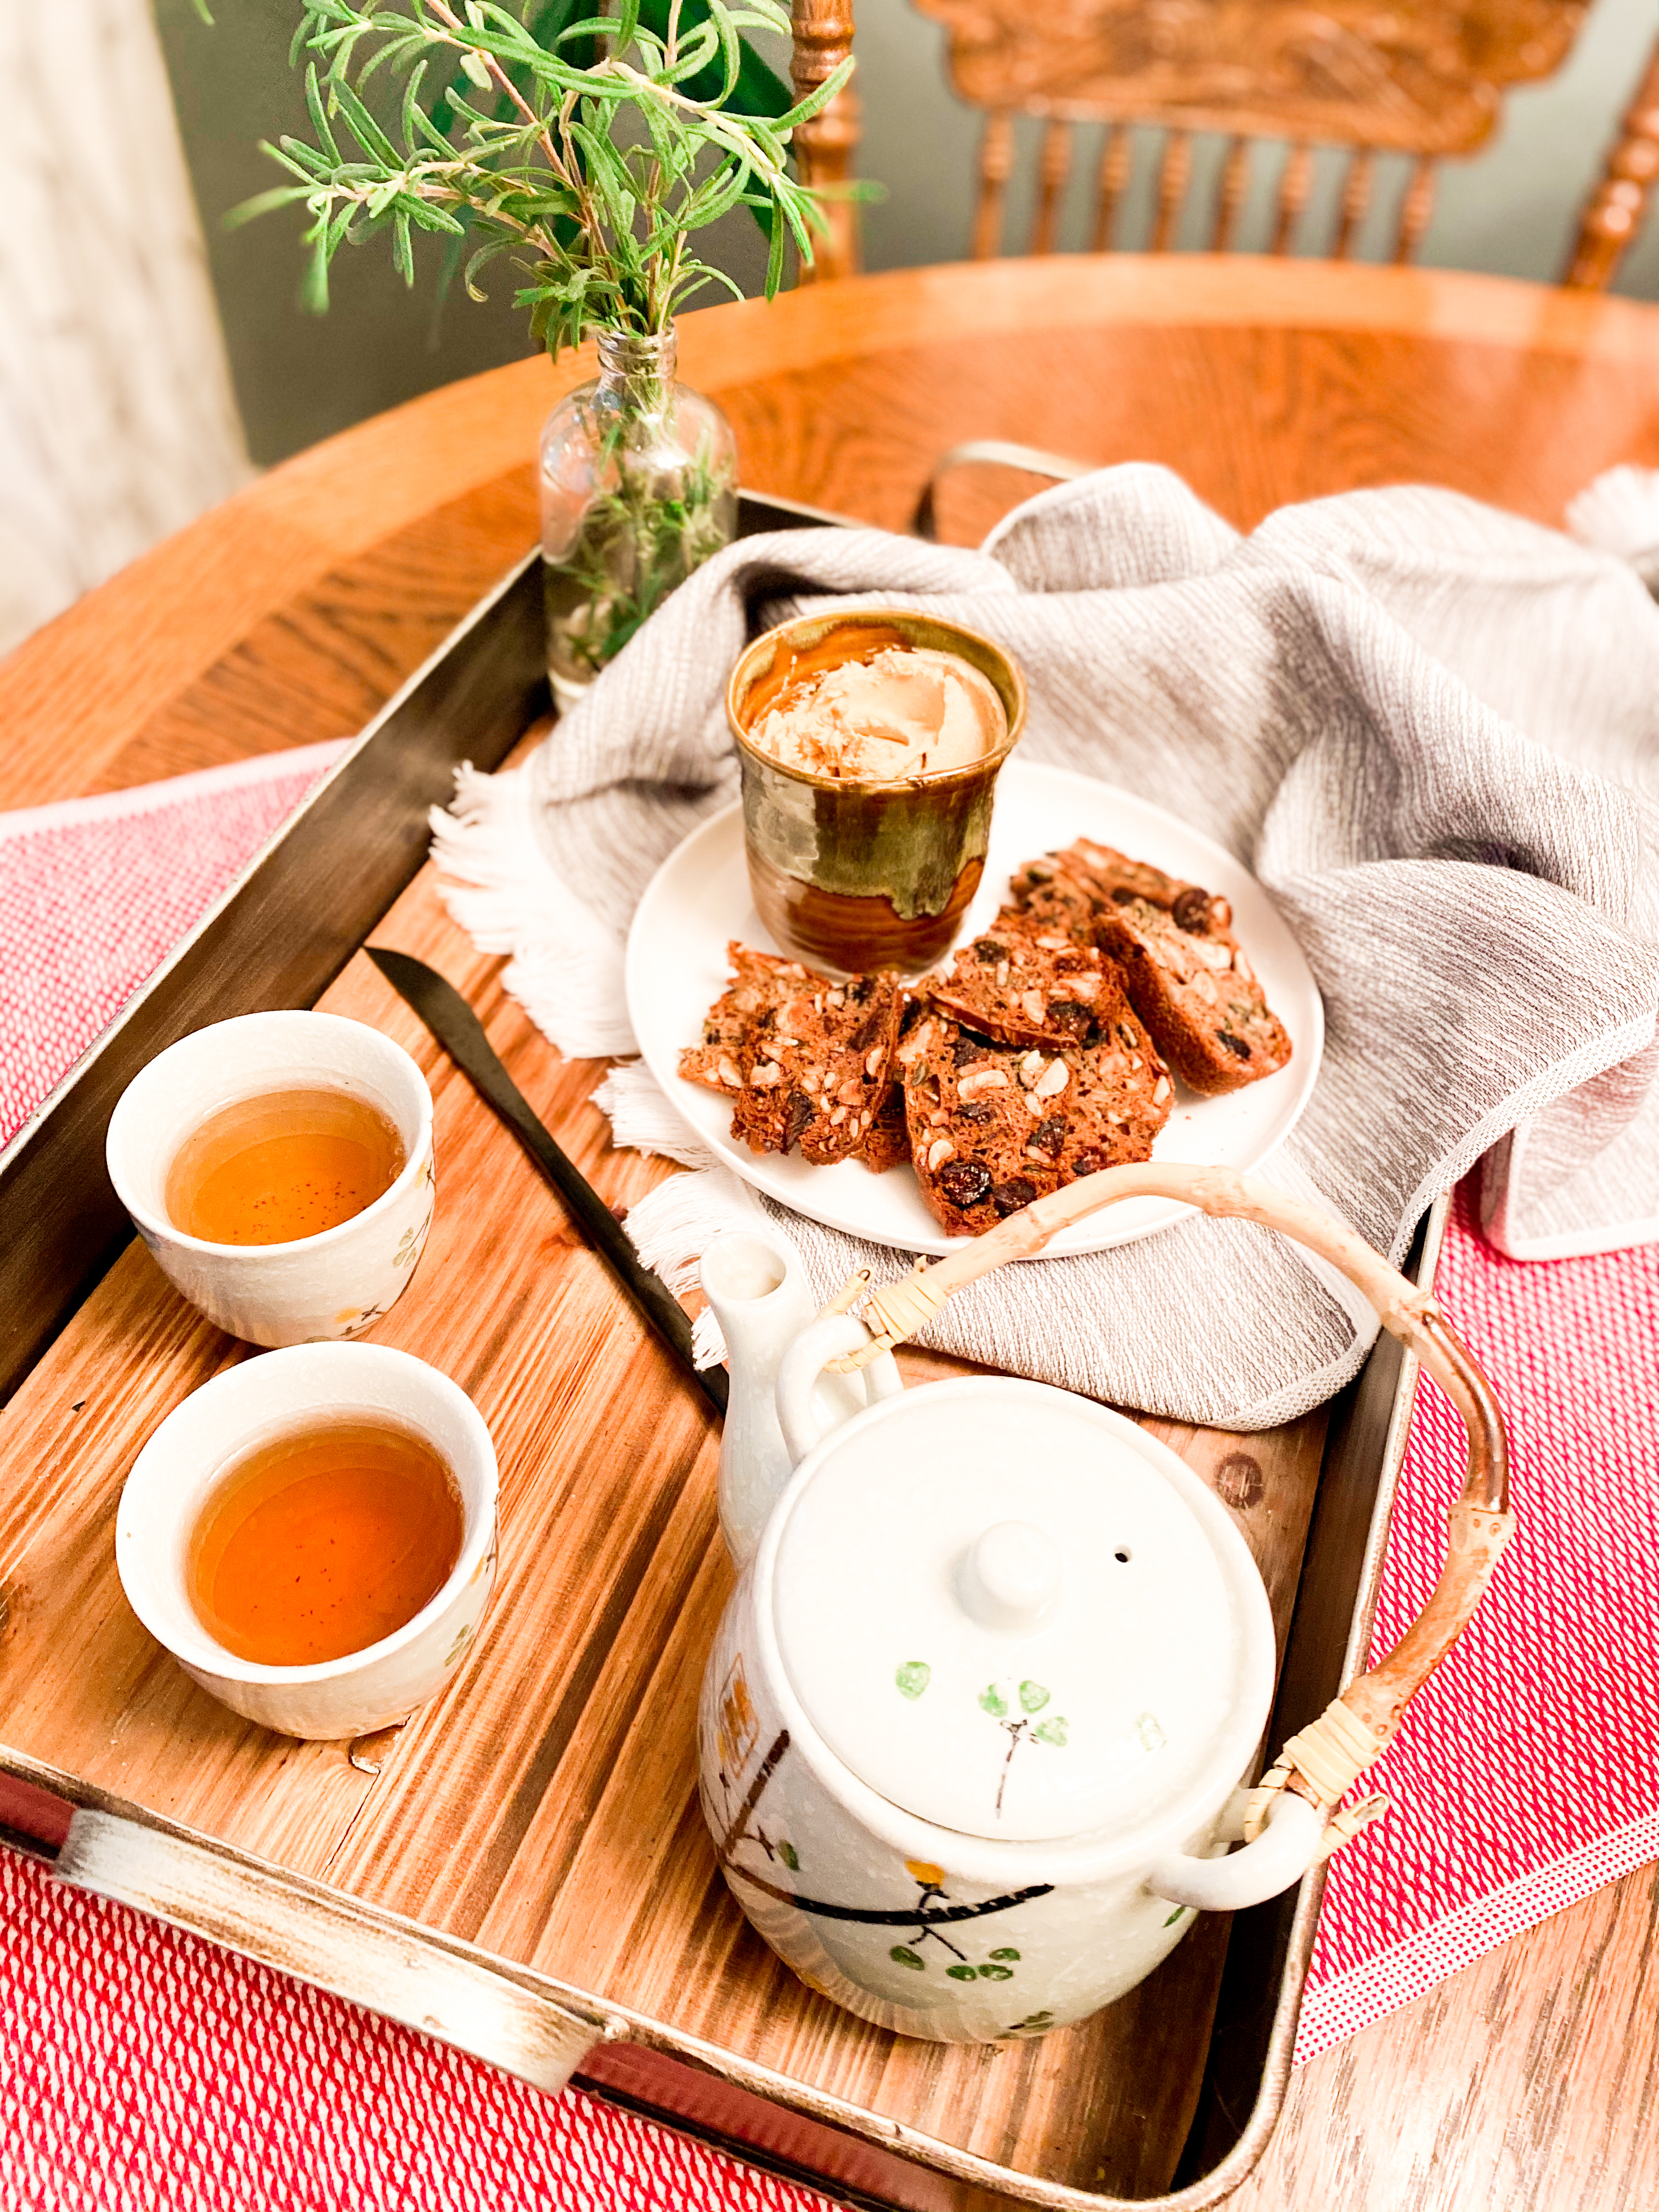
1015,1614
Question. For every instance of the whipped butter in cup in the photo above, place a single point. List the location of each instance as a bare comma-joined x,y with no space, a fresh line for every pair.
870,746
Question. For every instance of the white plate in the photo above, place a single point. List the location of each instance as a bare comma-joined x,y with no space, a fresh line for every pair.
700,898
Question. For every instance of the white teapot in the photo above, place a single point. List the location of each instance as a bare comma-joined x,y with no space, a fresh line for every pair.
973,1734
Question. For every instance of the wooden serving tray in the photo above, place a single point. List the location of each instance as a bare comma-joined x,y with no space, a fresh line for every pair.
523,1867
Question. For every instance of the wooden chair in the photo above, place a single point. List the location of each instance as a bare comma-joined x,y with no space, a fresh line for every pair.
1421,79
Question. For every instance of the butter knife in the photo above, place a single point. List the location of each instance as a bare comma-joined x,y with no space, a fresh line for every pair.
459,1031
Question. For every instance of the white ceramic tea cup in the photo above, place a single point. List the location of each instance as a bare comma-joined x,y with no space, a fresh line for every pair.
315,1288
230,1416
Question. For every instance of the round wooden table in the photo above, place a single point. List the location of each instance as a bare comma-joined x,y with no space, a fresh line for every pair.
289,614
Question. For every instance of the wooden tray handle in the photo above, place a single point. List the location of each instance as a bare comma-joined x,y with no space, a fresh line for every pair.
333,1942
994,453
1322,1761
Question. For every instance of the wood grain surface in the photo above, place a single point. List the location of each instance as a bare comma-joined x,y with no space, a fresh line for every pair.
544,1808
1525,2083
280,617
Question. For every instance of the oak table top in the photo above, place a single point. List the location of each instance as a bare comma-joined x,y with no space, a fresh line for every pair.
289,613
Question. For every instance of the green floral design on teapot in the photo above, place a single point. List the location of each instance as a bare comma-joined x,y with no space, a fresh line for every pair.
930,1879
1032,1697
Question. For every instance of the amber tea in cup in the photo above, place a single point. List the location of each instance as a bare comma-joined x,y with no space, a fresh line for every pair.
320,1542
286,1165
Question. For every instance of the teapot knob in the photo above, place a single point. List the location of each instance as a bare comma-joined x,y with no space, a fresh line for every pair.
1012,1577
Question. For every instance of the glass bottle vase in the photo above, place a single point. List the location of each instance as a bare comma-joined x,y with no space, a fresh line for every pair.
639,486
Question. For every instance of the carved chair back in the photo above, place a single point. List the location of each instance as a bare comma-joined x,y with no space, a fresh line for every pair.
1338,83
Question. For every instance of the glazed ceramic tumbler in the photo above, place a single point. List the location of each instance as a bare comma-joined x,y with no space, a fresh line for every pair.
853,876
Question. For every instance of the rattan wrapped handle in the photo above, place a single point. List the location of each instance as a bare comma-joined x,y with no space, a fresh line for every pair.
1323,1761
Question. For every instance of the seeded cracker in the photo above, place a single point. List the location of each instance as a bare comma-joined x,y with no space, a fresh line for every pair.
994,1126
760,984
888,1143
816,1072
1025,981
1186,974
1197,994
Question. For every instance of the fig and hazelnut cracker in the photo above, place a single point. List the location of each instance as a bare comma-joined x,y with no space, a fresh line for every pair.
760,984
808,1061
1022,981
994,1126
1085,878
1197,994
1186,974
814,1066
888,1143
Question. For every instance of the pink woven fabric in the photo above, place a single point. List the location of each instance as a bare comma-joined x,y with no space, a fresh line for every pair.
1526,1774
94,893
141,2068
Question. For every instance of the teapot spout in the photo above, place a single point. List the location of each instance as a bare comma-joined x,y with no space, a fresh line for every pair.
757,1289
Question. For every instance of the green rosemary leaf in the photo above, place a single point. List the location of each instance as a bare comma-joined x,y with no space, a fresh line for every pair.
425,217
717,195
818,100
605,163
659,129
313,291
731,51
481,260
319,116
627,16
699,274
364,127
262,203
413,118
696,62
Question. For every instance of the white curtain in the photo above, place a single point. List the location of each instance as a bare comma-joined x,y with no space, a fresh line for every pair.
117,420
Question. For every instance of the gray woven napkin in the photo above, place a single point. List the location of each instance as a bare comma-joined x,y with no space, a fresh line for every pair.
1432,732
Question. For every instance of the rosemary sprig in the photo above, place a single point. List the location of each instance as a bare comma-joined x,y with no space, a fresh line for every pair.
588,147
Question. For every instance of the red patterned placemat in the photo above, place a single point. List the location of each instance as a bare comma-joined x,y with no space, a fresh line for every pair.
1525,1775
139,2067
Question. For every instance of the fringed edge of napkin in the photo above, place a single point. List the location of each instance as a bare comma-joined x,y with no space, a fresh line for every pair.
672,1226
565,968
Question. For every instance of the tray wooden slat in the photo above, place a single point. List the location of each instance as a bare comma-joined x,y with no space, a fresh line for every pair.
544,1808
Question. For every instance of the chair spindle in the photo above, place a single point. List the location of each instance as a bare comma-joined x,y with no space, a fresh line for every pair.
1614,214
1235,186
1175,171
1416,206
1053,171
826,147
1295,183
996,161
1355,200
1112,177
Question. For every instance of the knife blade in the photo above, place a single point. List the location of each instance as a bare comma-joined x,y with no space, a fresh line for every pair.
446,1013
